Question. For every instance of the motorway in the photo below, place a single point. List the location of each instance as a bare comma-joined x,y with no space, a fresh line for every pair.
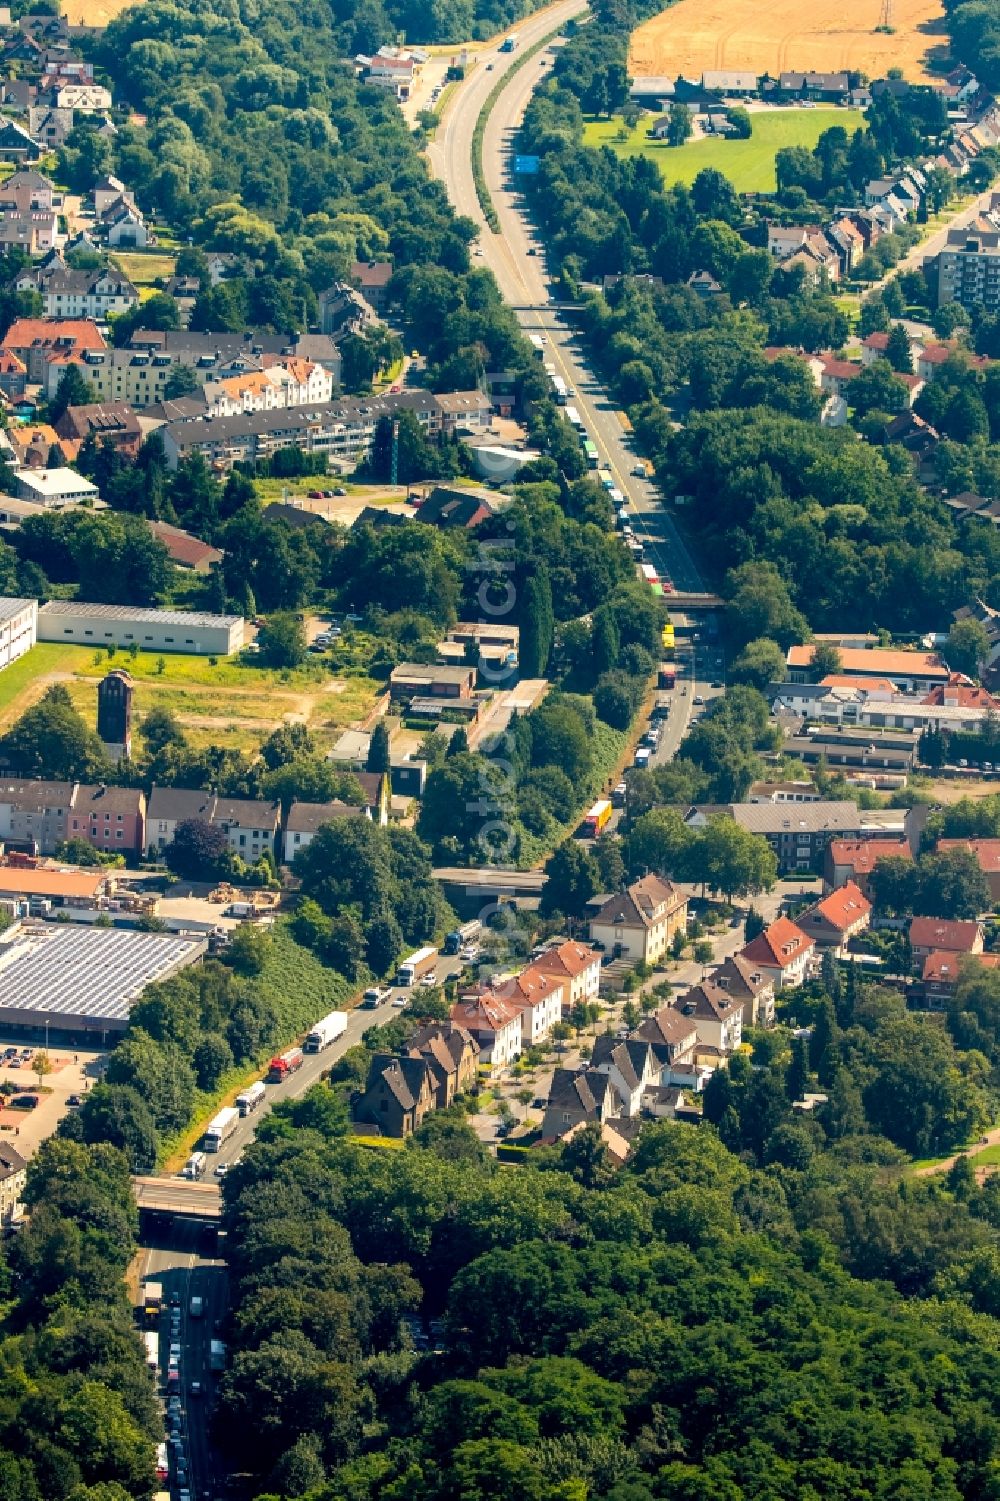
524,284
186,1273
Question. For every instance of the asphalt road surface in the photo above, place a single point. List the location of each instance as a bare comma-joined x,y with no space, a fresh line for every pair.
516,258
186,1273
316,1064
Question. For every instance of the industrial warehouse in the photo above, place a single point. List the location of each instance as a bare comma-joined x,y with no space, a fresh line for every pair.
81,982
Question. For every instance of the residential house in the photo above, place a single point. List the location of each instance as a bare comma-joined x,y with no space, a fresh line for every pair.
959,693
376,790
943,969
783,952
50,127
798,833
304,820
16,145
113,424
848,242
125,226
33,813
931,935
343,310
673,1035
577,965
84,98
399,1094
539,998
80,294
34,340
751,986
630,1064
784,240
448,508
251,827
741,82
452,1056
987,855
29,192
13,374
495,1025
111,819
639,922
579,1097
13,1179
837,918
851,861
718,1020
372,279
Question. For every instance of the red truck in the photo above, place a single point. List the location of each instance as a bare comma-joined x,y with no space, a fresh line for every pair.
286,1063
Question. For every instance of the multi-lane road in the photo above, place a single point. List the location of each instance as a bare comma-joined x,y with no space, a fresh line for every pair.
517,261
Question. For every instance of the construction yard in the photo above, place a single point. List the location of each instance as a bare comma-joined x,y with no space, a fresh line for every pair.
775,36
229,704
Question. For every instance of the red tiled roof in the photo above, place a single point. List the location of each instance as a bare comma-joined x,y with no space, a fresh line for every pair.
30,333
843,907
780,944
937,933
986,851
567,959
943,966
862,855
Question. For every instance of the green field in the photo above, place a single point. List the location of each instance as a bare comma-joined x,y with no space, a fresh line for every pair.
229,704
749,165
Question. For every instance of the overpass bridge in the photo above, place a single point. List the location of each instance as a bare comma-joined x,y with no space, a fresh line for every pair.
178,1198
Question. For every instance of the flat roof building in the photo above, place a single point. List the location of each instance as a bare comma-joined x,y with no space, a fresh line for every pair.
191,631
18,628
55,487
83,980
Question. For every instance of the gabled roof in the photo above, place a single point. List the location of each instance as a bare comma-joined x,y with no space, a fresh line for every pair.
588,1090
986,851
944,967
937,933
404,1077
667,1027
306,818
484,1013
779,946
708,1001
569,959
632,1057
841,909
862,855
739,977
643,904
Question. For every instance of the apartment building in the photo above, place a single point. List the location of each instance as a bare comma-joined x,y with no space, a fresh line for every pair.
969,269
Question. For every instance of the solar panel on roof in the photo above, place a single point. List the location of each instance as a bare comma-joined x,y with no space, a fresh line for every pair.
87,972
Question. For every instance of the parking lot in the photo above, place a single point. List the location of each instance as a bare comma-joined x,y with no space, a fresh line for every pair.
72,1075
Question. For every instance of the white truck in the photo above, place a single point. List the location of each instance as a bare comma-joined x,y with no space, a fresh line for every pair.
220,1128
326,1030
417,965
152,1342
249,1099
195,1166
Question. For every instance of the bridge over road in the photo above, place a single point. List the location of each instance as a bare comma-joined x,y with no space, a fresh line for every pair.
178,1198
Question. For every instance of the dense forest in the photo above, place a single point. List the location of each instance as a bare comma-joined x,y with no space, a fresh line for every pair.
78,1421
767,1307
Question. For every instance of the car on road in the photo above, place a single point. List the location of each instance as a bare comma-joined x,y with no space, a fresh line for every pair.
339,490
639,471
428,982
489,67
196,1388
718,685
619,794
222,1169
698,699
401,1002
73,1101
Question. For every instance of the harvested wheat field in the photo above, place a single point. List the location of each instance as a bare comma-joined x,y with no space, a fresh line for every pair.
93,12
776,36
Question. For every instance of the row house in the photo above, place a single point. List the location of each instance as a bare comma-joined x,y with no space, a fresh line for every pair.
343,430
285,383
577,966
251,827
538,998
932,935
37,816
495,1025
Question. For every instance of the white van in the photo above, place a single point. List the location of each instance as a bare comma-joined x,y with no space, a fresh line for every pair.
195,1166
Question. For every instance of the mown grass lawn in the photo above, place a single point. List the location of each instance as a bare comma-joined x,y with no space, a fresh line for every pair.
749,165
143,267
